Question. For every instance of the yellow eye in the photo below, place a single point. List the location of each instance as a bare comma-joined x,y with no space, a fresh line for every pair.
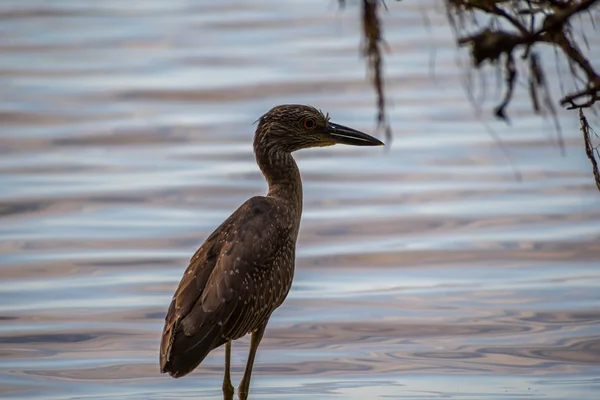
309,123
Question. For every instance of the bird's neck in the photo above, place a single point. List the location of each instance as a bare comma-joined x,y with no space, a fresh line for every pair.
282,174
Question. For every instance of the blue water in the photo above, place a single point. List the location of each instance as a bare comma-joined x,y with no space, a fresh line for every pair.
425,270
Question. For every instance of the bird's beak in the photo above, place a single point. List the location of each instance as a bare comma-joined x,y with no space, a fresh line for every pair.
343,135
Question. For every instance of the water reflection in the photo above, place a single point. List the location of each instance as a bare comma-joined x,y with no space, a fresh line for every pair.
423,272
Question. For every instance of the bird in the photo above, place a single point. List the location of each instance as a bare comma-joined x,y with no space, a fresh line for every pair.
244,269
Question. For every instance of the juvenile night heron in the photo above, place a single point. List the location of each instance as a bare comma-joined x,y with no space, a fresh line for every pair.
244,270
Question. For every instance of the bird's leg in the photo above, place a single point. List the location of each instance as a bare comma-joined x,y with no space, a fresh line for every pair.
228,389
254,342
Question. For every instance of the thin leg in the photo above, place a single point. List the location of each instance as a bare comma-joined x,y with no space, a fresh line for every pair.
254,342
228,389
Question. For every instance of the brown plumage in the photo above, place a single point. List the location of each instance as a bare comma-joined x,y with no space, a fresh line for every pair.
244,270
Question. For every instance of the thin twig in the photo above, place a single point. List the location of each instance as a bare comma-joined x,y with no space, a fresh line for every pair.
589,149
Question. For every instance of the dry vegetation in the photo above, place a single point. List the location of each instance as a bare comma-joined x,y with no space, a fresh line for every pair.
501,33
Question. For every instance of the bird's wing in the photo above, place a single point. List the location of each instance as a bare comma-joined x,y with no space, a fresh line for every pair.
218,285
189,291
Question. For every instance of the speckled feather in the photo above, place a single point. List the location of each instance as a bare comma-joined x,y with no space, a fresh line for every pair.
244,270
233,278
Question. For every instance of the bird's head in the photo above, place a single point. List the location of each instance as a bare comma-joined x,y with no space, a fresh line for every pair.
293,127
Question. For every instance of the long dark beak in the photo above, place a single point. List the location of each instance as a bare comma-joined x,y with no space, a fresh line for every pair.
344,135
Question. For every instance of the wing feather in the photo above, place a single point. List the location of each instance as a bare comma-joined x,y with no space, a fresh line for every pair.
219,290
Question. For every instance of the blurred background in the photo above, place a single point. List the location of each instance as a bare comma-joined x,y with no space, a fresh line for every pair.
425,270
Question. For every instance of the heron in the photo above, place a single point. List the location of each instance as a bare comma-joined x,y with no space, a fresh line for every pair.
244,270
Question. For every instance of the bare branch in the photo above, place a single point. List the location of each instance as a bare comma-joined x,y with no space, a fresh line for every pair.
589,149
372,51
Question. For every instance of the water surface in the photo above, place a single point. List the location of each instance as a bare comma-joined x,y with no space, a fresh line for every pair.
425,270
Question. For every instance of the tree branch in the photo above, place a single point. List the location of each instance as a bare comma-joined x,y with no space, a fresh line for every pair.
589,149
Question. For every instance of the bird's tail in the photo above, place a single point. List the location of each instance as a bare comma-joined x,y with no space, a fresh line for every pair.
180,354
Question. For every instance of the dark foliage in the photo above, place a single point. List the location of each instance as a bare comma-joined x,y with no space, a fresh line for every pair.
502,33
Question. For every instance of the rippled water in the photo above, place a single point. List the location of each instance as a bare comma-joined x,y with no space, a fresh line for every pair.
424,271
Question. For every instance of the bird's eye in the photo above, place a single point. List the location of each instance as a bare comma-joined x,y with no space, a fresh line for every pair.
309,123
